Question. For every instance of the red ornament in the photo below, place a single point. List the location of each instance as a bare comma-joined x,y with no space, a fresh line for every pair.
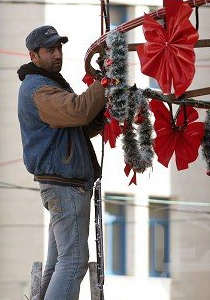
104,81
168,54
182,140
139,118
108,62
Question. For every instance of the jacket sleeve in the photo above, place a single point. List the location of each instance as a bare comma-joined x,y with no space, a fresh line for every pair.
59,108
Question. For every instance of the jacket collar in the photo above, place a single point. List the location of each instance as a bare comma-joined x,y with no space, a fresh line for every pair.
31,68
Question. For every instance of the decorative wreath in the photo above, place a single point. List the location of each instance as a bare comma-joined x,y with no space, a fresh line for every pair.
168,56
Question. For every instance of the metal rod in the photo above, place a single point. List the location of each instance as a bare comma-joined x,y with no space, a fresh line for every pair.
200,44
102,17
99,237
108,16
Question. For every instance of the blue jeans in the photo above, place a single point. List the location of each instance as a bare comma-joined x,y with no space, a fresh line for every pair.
68,254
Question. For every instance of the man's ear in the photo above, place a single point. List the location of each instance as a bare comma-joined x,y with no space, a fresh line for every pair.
34,56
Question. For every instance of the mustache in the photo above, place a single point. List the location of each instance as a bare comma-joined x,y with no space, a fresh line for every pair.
58,60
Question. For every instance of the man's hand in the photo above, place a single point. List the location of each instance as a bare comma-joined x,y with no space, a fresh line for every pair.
99,75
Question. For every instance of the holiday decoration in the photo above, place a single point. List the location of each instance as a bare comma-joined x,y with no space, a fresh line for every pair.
182,137
88,79
168,54
137,142
112,129
116,71
125,102
206,142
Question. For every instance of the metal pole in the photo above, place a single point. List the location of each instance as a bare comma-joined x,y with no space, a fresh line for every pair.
108,16
102,17
99,237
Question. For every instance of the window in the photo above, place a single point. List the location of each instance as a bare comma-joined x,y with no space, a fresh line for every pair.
153,84
115,233
158,240
118,15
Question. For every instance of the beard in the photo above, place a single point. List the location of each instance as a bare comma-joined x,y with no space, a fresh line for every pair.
56,66
51,66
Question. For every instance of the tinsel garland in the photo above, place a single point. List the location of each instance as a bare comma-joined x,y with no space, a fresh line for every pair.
116,71
206,142
126,102
138,153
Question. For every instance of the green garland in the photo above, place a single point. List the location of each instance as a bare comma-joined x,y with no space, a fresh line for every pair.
126,102
206,142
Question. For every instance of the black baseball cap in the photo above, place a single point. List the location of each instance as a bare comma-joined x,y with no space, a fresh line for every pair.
44,36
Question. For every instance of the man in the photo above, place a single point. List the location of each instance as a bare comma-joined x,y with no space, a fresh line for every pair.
55,127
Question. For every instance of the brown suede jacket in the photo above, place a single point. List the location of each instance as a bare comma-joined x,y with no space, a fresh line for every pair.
59,108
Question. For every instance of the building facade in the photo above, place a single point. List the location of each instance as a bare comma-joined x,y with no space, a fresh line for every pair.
156,233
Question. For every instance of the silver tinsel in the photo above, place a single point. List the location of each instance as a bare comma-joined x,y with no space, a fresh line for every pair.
206,142
137,142
125,102
117,91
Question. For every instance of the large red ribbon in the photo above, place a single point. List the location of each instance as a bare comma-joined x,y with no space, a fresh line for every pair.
182,140
127,170
168,54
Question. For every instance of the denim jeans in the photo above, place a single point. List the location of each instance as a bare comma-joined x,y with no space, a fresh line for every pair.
68,254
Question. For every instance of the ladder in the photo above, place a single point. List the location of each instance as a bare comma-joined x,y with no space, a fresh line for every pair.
36,275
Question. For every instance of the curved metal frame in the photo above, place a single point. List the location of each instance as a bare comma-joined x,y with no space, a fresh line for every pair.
98,46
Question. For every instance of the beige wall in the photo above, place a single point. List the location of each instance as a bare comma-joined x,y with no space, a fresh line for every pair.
190,239
21,217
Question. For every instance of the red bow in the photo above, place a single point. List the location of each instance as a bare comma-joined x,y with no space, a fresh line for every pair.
168,54
127,169
88,79
112,129
183,140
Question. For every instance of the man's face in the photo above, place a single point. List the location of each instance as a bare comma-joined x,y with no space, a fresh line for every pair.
49,59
